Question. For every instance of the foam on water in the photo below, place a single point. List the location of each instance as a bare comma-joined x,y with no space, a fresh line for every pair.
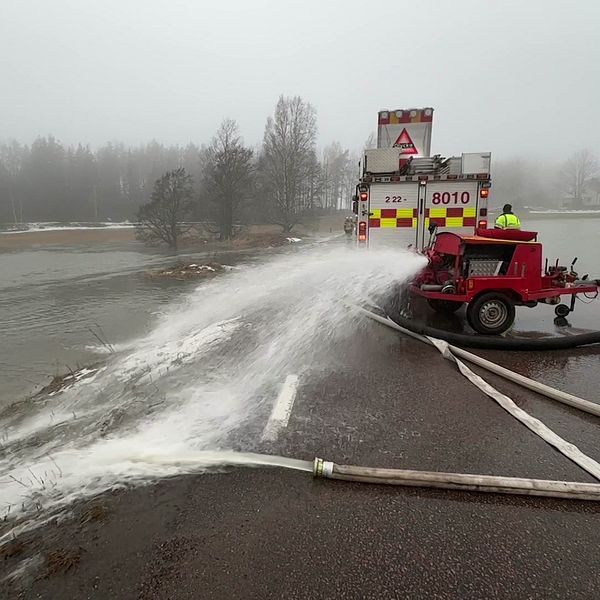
170,402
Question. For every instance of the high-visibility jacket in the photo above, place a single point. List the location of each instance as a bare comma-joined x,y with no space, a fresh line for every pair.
508,221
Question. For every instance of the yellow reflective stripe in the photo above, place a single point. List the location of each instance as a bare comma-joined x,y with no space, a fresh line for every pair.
387,223
404,213
376,213
469,212
414,222
437,212
454,222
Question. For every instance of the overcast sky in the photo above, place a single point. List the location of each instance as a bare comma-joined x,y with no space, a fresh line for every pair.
513,77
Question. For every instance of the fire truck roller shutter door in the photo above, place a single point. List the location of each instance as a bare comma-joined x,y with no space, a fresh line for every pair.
393,212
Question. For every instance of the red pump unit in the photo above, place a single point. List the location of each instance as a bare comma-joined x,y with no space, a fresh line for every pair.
492,272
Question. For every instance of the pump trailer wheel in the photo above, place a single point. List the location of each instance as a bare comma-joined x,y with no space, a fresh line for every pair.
491,313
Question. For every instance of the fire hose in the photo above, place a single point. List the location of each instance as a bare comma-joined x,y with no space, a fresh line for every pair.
545,390
458,481
486,342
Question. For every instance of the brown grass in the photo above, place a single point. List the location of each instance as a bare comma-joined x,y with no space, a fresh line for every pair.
12,549
184,271
264,240
60,561
96,512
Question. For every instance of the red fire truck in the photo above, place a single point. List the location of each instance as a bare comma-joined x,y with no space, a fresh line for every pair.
403,189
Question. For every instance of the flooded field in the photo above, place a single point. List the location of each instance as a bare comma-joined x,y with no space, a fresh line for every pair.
62,306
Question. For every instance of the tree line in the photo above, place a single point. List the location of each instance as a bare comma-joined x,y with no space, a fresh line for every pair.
574,183
228,182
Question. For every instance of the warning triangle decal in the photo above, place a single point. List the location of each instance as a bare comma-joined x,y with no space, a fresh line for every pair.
405,143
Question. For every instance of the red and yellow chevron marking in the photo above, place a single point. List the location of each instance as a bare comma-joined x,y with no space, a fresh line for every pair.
393,217
407,217
451,217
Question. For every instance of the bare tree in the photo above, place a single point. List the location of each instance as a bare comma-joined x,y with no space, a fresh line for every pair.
228,177
576,174
335,166
162,218
11,162
351,176
288,159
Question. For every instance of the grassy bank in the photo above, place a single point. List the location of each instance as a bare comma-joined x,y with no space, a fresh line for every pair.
252,236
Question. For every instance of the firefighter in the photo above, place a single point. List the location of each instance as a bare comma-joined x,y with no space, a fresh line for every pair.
507,220
348,226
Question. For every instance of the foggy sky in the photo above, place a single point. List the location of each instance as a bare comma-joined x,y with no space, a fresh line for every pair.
514,77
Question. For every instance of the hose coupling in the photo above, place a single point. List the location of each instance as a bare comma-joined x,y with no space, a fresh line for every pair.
322,468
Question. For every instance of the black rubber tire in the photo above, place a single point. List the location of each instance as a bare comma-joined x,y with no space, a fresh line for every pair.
444,306
562,310
491,313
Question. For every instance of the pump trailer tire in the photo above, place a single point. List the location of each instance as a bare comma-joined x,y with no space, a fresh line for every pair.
491,313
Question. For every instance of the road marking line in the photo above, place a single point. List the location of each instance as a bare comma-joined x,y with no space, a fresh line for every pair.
280,415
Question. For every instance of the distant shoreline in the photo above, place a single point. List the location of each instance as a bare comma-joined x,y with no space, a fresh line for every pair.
40,238
552,214
563,214
50,237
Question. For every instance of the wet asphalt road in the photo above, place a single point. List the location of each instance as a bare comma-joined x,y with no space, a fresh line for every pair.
269,533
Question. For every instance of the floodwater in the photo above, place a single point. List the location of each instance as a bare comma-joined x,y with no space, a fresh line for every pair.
567,239
65,307
55,302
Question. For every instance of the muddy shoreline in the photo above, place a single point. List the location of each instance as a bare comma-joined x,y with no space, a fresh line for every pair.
29,239
73,237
